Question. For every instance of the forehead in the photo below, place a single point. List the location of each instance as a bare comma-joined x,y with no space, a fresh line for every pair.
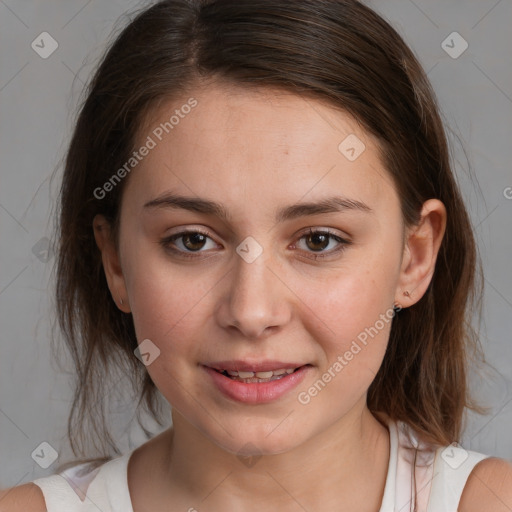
224,108
267,145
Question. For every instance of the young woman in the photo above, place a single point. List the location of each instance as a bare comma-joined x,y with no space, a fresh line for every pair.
259,222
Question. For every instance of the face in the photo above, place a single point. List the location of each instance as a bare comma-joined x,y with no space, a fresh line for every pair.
268,284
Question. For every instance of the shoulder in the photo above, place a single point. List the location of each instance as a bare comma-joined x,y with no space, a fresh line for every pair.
23,498
489,487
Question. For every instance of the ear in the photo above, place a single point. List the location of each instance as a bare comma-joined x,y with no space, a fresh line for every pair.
421,248
111,263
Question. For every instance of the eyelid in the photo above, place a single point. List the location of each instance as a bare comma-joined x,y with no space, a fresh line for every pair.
329,231
342,241
167,242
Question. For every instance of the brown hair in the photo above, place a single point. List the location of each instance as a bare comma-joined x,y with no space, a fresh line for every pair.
338,51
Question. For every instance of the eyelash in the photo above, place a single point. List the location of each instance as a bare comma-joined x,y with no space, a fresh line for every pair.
166,243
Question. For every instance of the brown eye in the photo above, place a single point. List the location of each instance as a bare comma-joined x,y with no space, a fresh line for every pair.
317,241
321,243
186,243
194,241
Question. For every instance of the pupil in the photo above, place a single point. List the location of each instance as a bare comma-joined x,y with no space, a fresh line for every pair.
319,238
195,238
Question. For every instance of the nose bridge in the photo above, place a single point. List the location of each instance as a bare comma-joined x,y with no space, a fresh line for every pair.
250,278
256,297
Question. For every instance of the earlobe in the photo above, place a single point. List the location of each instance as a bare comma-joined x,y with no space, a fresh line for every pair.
422,245
111,262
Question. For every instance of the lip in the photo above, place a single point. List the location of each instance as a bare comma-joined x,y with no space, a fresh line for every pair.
248,366
257,392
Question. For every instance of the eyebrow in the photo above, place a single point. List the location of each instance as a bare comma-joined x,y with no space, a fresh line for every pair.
331,204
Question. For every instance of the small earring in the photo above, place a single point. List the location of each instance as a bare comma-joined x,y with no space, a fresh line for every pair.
121,301
407,294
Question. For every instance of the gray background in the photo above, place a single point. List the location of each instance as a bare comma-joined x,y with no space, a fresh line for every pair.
37,103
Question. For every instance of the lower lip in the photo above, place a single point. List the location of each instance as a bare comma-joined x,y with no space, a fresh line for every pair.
257,392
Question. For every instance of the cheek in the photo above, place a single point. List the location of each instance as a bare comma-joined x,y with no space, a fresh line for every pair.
167,309
353,335
350,316
166,303
352,298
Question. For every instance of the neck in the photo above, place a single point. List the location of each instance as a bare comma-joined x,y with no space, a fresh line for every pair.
342,468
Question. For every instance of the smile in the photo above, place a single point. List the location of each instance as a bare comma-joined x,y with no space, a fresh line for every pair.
257,383
257,376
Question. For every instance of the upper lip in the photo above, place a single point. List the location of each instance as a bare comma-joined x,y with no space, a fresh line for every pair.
248,366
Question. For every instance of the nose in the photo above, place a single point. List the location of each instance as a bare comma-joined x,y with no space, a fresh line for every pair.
256,300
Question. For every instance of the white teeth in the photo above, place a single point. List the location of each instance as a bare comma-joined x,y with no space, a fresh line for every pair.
260,375
264,375
245,375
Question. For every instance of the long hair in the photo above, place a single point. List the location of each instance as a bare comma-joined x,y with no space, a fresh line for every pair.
338,51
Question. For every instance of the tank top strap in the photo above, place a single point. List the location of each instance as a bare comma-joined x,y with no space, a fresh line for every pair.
67,490
109,490
452,467
414,470
389,497
80,489
424,475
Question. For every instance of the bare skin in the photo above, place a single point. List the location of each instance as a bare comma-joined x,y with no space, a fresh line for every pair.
188,489
255,153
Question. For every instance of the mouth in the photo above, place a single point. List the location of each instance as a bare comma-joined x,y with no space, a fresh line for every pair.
266,376
256,383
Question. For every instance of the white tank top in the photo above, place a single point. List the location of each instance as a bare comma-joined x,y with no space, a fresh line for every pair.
439,479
